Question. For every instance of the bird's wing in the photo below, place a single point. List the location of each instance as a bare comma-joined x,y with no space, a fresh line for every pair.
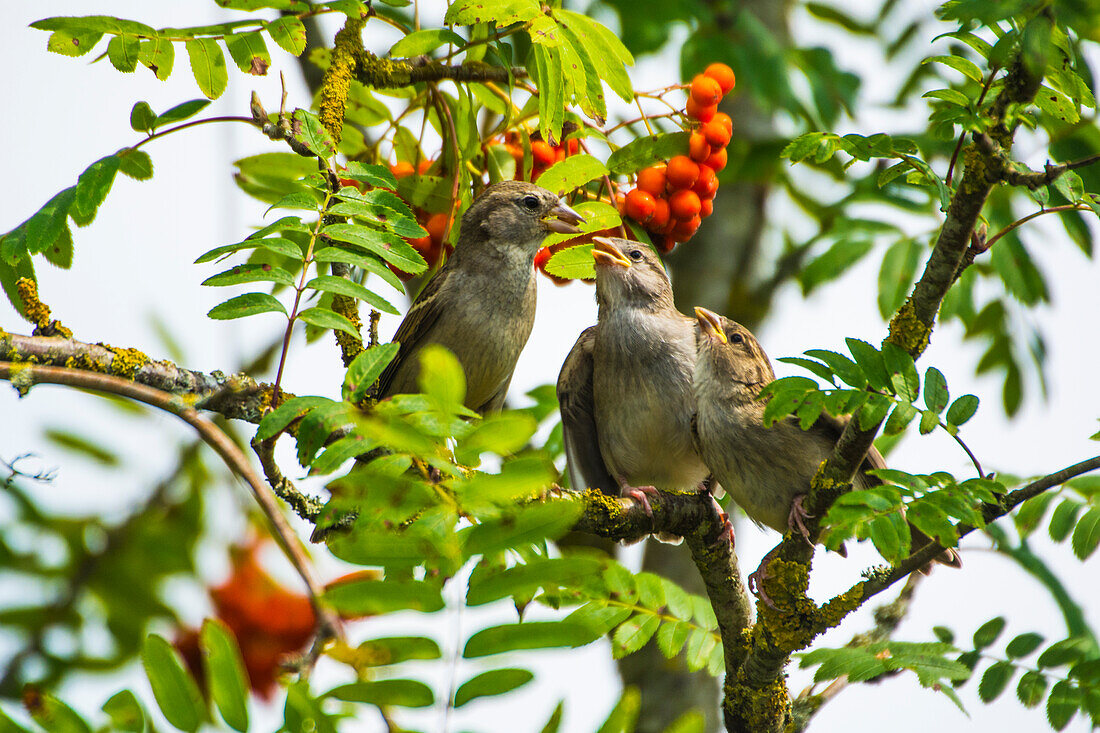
578,419
414,330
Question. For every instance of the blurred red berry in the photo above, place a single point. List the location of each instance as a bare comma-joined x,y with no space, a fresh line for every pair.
640,205
661,214
716,134
707,183
700,112
698,147
401,169
717,160
684,204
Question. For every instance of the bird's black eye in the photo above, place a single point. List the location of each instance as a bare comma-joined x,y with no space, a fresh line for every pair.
736,338
531,203
636,254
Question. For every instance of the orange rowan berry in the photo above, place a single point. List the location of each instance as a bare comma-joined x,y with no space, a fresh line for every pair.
707,183
705,90
698,147
717,160
685,230
684,204
681,172
706,208
716,134
723,75
401,169
661,214
640,205
542,154
725,120
696,111
652,179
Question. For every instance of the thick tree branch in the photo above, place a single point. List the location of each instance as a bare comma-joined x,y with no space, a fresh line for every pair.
238,396
24,376
757,699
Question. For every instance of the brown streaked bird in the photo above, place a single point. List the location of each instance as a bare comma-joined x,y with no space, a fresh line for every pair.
766,470
481,303
625,387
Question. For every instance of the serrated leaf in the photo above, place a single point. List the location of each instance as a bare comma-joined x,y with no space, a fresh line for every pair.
419,43
289,33
962,409
1023,644
181,112
249,52
391,248
92,188
363,597
633,634
325,318
175,691
226,678
242,306
529,635
994,681
278,419
842,366
142,117
250,273
403,693
378,176
1086,535
208,66
964,66
352,289
1062,704
365,370
988,632
1063,519
1067,651
308,130
896,274
503,12
936,395
533,523
903,372
122,51
572,172
493,682
135,164
1031,688
645,151
158,55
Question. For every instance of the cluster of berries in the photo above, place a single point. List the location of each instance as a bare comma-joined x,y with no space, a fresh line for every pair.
671,199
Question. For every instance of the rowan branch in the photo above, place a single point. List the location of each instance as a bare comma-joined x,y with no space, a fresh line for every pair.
379,73
756,698
237,396
24,376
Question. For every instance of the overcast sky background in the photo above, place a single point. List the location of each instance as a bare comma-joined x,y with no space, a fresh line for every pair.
134,263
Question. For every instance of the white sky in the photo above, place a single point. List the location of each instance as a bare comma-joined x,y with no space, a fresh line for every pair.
135,260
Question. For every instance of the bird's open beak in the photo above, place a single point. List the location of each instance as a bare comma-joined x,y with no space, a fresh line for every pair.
565,219
606,253
711,323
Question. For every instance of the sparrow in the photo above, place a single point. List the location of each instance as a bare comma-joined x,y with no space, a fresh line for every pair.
766,470
481,302
624,390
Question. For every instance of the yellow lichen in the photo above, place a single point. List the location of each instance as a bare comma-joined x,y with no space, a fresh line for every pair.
350,346
767,708
126,362
339,75
38,312
907,331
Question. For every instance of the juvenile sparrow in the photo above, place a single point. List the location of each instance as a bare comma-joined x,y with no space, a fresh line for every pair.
481,303
625,387
766,470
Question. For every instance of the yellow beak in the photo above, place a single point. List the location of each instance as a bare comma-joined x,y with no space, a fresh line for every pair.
606,253
711,323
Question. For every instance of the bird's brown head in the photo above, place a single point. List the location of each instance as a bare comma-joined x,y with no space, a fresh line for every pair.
517,214
728,356
630,273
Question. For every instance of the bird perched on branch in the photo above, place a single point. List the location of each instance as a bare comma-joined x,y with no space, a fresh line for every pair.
625,387
481,303
766,470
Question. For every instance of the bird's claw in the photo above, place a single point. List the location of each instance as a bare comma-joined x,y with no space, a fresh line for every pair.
641,495
756,582
797,518
726,533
